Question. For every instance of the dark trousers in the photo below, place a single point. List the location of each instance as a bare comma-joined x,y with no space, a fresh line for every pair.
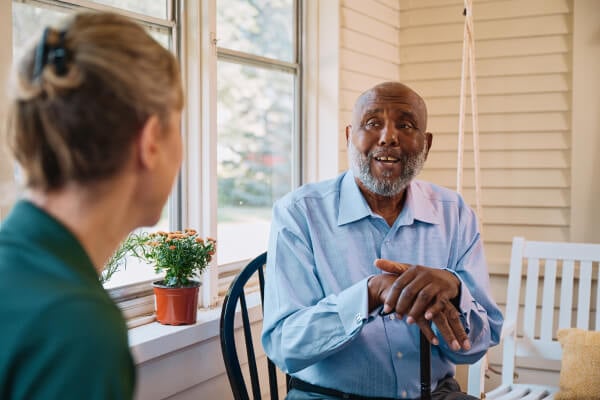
447,389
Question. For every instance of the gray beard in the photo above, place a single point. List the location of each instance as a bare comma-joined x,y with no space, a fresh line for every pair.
360,166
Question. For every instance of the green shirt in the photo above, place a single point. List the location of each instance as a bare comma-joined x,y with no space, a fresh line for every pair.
61,336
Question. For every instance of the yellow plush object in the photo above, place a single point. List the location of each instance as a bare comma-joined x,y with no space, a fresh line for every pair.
580,368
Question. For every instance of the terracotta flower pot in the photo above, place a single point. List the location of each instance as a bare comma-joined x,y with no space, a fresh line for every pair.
176,306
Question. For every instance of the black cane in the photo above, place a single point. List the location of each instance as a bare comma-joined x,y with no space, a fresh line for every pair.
425,367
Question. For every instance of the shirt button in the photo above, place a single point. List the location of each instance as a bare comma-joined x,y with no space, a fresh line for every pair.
392,316
399,354
358,318
403,394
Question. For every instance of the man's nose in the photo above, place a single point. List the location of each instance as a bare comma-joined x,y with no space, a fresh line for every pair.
388,135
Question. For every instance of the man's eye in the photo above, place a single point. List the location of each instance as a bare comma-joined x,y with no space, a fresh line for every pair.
404,125
372,124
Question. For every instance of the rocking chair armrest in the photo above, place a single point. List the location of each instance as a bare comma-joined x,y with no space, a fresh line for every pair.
508,328
476,374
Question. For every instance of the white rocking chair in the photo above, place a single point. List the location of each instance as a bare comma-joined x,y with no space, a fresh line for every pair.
570,264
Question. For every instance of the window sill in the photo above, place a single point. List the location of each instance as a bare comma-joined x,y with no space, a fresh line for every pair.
153,340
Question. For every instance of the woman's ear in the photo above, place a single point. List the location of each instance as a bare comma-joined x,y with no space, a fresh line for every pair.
148,142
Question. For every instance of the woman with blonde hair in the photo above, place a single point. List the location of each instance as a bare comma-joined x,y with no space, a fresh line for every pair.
93,123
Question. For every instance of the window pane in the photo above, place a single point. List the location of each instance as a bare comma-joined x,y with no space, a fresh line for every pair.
29,20
255,110
261,27
153,8
161,37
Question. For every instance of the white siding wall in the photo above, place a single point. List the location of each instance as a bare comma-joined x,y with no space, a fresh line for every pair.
523,62
369,53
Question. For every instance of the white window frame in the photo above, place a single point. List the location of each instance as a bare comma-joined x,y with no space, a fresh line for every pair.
203,189
196,44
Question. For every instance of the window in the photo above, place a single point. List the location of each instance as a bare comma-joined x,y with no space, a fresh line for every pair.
241,120
29,17
258,119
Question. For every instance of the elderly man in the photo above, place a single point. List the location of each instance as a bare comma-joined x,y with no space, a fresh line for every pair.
359,264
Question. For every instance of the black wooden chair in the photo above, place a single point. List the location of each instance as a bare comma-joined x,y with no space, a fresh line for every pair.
236,295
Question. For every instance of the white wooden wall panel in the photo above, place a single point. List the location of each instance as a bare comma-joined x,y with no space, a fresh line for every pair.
370,26
354,61
524,62
376,10
369,54
502,178
508,141
539,83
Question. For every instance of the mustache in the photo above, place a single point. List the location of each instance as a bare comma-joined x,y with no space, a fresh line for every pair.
375,153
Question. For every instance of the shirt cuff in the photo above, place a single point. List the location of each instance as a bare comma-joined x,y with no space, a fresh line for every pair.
353,306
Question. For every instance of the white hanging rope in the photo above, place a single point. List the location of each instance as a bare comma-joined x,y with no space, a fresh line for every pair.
468,67
468,58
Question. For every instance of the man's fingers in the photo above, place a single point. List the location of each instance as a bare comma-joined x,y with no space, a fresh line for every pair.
446,332
425,327
458,329
423,295
437,307
451,329
391,266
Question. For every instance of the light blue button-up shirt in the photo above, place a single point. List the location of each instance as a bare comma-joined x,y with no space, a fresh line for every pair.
324,240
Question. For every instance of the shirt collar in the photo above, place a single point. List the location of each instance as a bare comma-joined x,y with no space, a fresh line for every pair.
353,205
419,205
422,203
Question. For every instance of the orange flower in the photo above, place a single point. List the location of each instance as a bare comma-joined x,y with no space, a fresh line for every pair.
211,240
172,247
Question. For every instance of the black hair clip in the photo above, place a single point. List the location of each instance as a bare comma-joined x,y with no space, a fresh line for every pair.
55,53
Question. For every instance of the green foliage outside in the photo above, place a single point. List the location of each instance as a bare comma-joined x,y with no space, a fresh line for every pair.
255,105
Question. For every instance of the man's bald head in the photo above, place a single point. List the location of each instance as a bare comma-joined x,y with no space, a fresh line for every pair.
390,92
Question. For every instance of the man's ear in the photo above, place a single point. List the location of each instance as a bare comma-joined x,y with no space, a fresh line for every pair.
348,132
148,142
429,139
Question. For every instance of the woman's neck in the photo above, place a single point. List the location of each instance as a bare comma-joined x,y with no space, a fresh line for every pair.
99,218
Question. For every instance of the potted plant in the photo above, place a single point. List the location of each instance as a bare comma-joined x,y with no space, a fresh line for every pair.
181,255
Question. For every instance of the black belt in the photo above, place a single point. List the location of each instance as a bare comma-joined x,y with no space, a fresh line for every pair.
296,383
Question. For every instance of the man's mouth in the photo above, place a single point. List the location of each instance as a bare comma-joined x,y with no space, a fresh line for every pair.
387,159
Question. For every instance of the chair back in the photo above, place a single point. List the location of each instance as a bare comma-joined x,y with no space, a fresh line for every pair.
563,272
232,357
